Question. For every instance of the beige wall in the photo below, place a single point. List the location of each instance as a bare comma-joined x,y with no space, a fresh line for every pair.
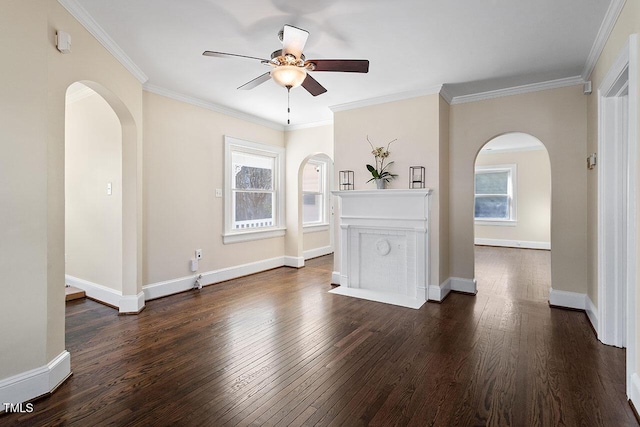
443,192
533,195
93,219
32,166
415,123
301,145
558,119
183,166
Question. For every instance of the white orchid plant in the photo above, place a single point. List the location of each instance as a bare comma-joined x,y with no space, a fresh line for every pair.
380,170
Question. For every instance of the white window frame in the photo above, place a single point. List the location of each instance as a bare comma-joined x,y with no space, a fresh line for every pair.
323,224
512,187
231,235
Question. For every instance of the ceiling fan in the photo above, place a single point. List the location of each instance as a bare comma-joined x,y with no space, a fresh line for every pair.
290,67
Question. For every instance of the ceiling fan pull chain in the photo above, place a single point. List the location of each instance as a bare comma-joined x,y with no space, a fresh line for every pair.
288,104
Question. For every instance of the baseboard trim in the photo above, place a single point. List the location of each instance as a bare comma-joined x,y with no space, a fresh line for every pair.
592,313
315,253
566,299
36,382
467,286
439,293
522,244
335,277
634,397
294,261
131,304
95,291
174,286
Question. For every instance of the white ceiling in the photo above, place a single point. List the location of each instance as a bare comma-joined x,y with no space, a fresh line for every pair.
470,45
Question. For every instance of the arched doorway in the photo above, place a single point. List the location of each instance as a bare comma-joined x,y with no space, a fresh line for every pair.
101,197
512,217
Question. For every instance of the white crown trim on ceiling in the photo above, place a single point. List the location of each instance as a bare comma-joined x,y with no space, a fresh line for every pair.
211,106
609,21
103,38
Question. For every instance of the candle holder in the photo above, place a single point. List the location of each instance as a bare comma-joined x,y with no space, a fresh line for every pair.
346,180
416,177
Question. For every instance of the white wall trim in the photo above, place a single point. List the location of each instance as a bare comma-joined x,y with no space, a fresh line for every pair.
289,128
79,94
609,21
90,24
518,90
444,93
439,293
317,252
567,299
294,261
459,284
131,304
174,286
634,393
335,277
592,312
36,382
212,106
386,98
523,244
95,291
485,151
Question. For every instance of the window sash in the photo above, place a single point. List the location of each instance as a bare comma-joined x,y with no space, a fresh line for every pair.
509,195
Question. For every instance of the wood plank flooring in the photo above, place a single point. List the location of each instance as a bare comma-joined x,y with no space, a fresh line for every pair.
277,349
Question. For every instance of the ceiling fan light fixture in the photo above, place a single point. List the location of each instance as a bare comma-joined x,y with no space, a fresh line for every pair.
289,75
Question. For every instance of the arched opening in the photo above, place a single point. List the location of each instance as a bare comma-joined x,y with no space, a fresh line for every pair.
101,216
314,205
512,217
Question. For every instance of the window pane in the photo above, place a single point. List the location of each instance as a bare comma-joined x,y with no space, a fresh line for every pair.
492,207
312,178
253,210
311,208
252,171
492,183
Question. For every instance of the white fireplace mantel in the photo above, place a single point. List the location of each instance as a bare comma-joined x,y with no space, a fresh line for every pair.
384,245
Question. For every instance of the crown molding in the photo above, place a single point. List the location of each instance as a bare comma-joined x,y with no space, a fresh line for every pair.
211,106
444,93
609,21
90,24
387,98
77,95
511,150
309,125
518,90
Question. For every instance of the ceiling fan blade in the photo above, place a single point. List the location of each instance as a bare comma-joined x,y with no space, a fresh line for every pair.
224,55
341,65
293,40
256,82
312,86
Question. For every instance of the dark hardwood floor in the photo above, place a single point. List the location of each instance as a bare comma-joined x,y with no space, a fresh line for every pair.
277,349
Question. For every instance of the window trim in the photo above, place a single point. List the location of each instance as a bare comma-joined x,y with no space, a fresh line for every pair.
512,187
231,235
323,224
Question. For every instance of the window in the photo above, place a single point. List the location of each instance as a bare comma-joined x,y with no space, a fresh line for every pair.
314,197
254,193
495,195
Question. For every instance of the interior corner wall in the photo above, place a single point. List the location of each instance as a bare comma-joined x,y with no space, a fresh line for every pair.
32,165
93,219
301,144
557,117
533,197
444,188
183,166
415,123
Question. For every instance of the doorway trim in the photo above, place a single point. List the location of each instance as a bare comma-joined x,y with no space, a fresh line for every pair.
617,239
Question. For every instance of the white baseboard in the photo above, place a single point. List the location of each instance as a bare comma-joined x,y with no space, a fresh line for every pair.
438,293
634,394
131,303
335,278
98,292
294,261
315,253
592,312
459,284
36,382
387,298
567,299
523,244
174,286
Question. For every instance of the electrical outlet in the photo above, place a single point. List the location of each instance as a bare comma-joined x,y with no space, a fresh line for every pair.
218,192
198,253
